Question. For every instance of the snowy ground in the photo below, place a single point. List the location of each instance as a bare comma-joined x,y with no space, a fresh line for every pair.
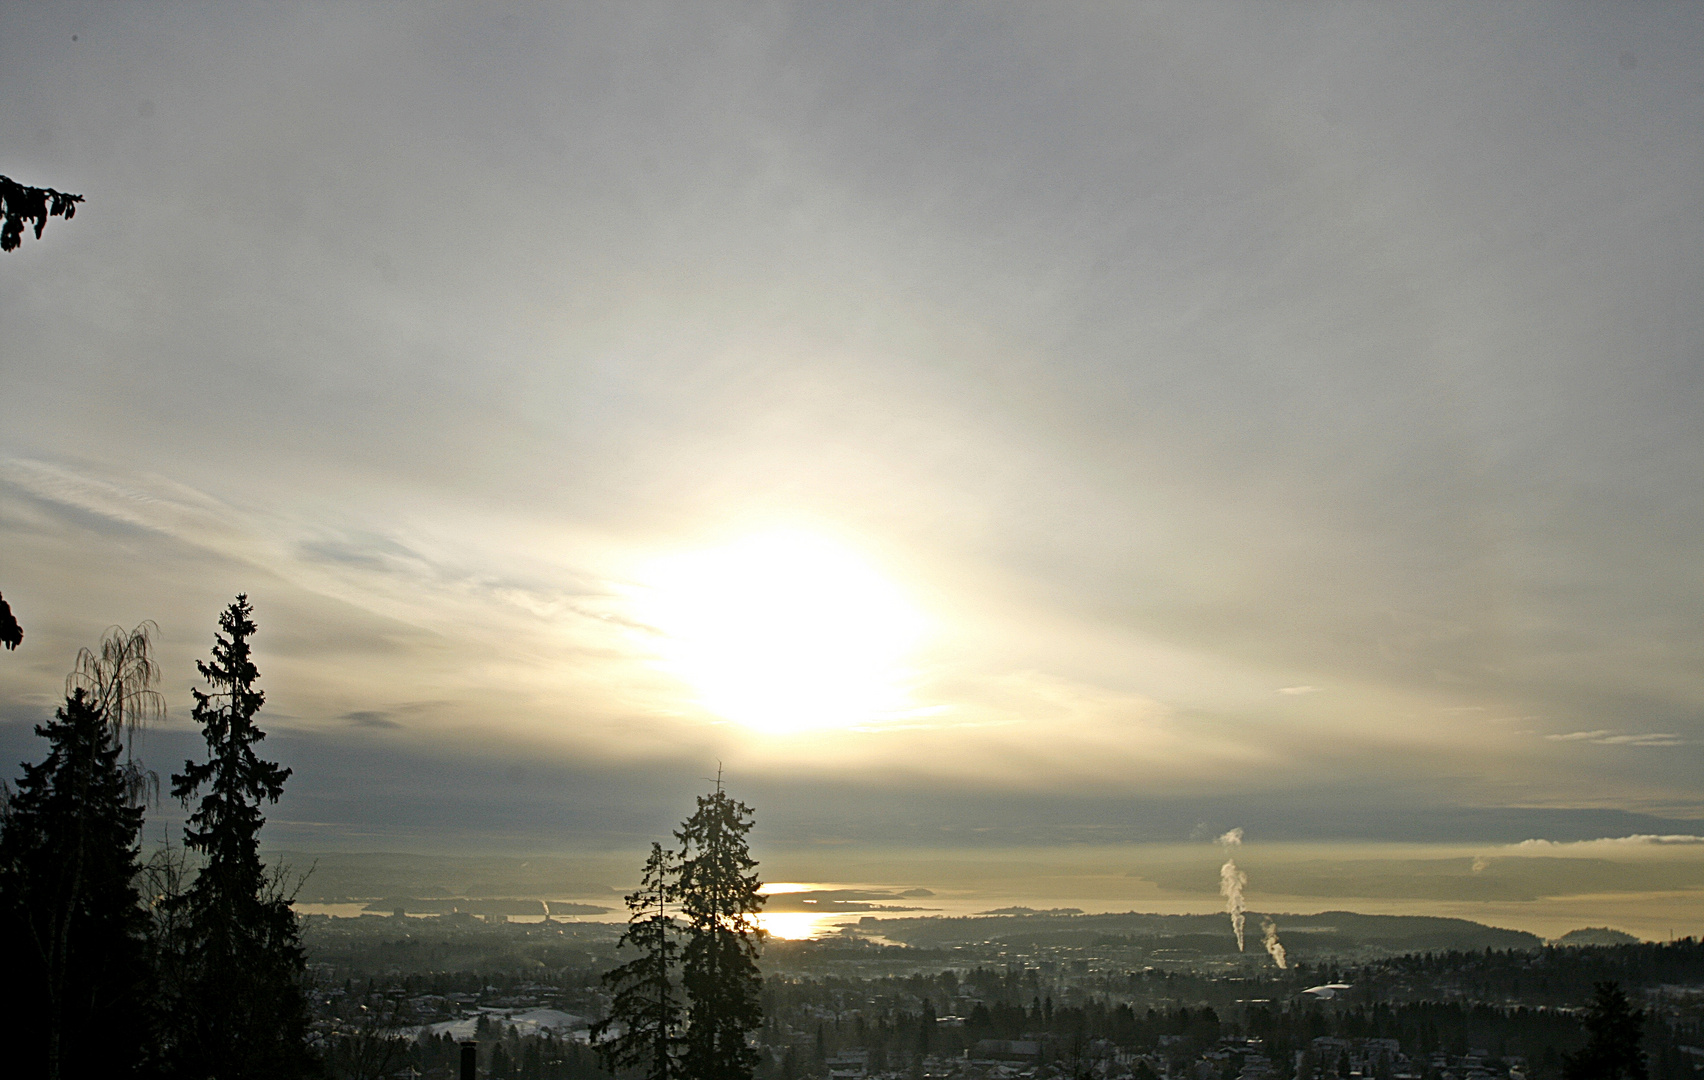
527,1021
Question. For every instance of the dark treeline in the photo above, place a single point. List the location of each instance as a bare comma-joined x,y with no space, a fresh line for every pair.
579,983
894,1037
494,955
1450,1003
1550,976
503,1055
1454,1004
190,965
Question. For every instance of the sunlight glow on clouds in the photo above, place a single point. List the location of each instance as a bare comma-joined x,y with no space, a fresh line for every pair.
784,632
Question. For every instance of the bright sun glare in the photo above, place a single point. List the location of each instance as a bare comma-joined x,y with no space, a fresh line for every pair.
784,632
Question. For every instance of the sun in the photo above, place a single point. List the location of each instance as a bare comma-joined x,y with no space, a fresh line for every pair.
784,632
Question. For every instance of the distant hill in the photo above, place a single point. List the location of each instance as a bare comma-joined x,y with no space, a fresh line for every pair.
1331,933
1596,935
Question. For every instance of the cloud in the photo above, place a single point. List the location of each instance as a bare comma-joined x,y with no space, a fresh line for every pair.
369,553
370,718
1604,737
1637,840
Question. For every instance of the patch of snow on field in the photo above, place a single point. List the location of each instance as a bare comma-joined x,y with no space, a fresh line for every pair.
526,1021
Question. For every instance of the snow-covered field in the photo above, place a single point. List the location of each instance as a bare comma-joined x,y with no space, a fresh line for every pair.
526,1021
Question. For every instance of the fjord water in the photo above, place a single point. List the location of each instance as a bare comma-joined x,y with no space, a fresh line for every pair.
1650,889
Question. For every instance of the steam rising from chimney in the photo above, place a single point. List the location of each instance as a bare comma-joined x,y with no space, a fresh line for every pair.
1269,930
1231,882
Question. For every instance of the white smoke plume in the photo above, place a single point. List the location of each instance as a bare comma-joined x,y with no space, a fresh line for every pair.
1231,882
1269,932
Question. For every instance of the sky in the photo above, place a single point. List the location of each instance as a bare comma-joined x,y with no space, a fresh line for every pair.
961,424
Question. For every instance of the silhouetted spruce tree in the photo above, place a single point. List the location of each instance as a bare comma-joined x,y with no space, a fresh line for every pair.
645,1004
73,933
1613,1049
719,896
240,1012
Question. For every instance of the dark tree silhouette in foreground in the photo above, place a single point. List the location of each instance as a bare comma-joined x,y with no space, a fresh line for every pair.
1613,1049
712,883
20,204
642,1031
11,634
72,927
719,897
240,1011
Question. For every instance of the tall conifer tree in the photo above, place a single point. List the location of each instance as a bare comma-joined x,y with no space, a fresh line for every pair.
719,898
645,1004
240,1012
73,933
1615,1049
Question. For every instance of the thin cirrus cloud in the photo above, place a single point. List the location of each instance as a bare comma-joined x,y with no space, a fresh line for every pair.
1603,737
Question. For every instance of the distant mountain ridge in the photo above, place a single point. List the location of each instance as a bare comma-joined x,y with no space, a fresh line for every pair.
1337,933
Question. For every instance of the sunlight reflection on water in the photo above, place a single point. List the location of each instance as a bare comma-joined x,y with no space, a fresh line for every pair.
803,925
823,895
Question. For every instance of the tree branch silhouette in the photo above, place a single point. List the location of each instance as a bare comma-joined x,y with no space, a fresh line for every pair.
20,203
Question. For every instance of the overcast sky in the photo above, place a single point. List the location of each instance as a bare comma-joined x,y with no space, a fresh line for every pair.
1284,413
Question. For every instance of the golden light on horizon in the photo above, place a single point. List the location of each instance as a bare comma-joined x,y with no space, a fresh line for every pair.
782,888
784,632
798,925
